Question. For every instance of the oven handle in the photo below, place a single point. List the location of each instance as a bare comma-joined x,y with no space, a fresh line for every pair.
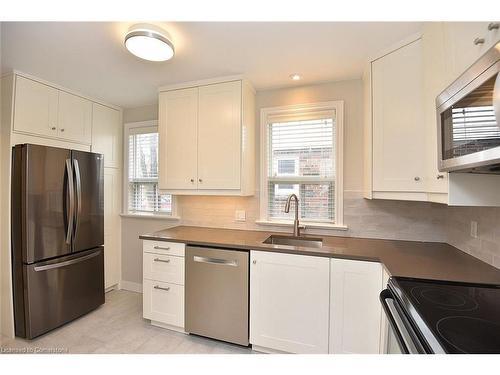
386,294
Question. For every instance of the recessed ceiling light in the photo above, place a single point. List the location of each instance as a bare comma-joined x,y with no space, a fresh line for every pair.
295,77
149,42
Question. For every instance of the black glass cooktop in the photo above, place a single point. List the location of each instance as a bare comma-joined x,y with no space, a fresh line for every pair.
460,317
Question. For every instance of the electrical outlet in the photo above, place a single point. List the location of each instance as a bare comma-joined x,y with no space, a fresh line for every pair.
240,215
473,229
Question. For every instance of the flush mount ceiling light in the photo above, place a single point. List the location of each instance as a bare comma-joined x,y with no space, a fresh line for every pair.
149,42
295,77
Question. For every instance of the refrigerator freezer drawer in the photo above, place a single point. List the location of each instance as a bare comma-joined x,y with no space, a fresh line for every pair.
61,290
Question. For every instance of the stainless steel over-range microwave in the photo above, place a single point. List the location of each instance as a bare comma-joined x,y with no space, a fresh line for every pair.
468,118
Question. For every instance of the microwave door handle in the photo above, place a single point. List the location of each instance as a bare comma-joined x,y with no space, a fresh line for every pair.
78,183
71,206
385,295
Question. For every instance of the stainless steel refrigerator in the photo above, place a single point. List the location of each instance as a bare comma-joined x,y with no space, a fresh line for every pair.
57,236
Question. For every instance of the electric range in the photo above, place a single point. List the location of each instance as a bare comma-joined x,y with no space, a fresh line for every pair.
429,316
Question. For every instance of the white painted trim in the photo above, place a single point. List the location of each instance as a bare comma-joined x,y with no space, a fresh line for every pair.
262,349
308,225
151,216
127,127
265,113
131,286
61,88
203,82
395,46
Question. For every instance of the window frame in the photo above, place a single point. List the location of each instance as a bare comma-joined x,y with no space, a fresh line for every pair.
137,128
301,112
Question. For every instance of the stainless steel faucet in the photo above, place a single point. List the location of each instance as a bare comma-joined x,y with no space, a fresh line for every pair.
296,227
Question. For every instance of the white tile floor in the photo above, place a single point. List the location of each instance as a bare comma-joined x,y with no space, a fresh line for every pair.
118,327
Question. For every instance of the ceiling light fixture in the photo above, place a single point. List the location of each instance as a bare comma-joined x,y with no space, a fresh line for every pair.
295,77
149,42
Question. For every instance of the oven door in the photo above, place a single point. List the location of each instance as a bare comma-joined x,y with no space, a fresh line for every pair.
401,337
468,116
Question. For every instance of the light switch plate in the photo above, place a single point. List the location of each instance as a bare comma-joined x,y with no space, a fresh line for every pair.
240,215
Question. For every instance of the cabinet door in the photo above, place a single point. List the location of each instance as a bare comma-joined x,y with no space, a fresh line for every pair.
112,233
398,129
35,108
74,118
163,302
107,134
434,82
289,302
219,136
463,51
356,313
177,128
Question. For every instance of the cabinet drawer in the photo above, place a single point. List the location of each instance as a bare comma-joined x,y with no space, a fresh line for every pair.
169,269
163,302
163,247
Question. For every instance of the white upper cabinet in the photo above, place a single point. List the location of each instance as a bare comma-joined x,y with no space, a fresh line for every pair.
355,310
178,132
289,302
74,118
398,131
107,134
42,110
465,42
207,136
36,106
219,123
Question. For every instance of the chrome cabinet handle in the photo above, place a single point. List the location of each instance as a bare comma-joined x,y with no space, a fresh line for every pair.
62,130
478,41
417,178
161,248
162,260
440,176
159,287
493,26
223,262
200,180
53,128
192,180
254,261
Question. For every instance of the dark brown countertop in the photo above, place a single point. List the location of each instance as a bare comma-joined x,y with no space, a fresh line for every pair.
427,260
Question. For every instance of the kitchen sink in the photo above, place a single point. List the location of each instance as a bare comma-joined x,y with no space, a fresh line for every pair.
294,241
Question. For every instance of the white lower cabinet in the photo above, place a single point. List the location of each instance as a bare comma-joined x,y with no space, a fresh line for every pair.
289,302
163,302
163,283
355,309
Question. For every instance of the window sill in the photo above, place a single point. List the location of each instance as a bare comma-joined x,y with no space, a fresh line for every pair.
151,216
305,223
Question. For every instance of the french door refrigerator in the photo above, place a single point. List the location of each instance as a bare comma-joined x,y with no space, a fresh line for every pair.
57,236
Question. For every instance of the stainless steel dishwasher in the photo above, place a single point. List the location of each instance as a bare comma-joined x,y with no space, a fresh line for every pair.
216,288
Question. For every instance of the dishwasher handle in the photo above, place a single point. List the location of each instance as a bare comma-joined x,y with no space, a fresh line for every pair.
223,262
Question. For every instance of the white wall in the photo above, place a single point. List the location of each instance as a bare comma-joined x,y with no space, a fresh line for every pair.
374,219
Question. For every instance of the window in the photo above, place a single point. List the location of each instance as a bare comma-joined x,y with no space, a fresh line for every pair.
302,155
142,177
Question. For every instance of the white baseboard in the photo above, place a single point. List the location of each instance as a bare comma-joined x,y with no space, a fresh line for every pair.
131,286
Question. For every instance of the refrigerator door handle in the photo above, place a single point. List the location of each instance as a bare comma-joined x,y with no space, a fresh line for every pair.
71,214
78,194
65,263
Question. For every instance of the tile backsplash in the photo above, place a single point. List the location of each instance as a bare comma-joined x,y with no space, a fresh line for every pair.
364,218
458,232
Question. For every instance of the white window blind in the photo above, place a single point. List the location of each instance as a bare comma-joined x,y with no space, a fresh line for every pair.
143,194
301,160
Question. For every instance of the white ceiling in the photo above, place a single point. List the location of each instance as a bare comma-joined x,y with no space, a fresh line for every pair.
89,57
